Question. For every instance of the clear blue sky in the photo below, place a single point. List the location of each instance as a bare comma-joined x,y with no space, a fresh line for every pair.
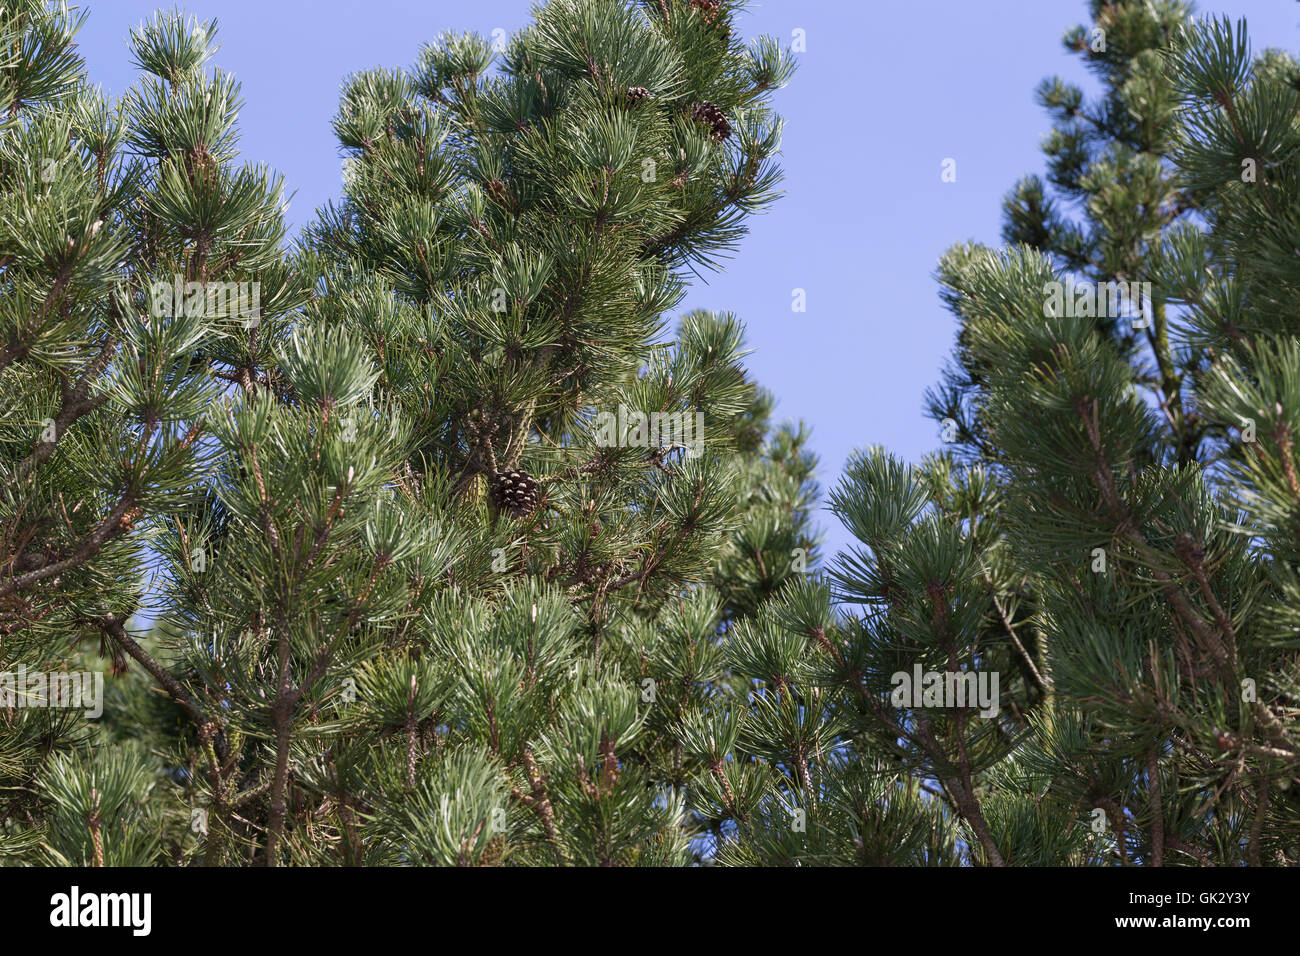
884,93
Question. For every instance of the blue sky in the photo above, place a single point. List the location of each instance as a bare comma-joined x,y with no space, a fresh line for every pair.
885,92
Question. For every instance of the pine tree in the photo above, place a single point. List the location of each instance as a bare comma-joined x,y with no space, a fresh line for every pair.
459,558
1111,192
1121,560
455,529
103,204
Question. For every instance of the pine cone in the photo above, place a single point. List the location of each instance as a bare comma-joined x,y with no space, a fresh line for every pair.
127,521
514,492
709,9
714,118
635,94
499,192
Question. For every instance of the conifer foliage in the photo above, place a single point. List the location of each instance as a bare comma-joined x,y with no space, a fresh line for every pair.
1107,543
431,522
421,540
101,435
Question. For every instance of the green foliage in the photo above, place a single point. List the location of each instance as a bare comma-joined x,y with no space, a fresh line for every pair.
1113,523
443,552
358,655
